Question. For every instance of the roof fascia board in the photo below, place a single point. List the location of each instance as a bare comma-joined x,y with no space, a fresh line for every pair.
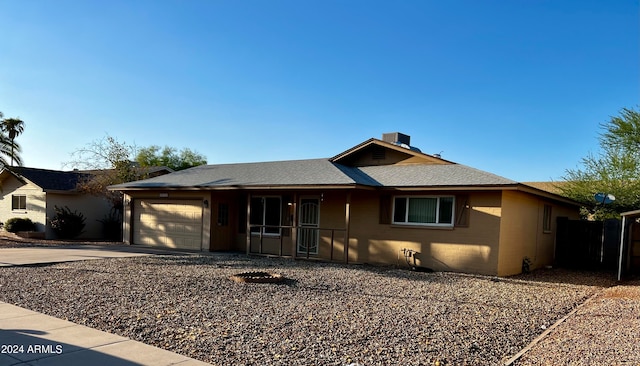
374,141
451,188
244,188
631,213
352,150
15,175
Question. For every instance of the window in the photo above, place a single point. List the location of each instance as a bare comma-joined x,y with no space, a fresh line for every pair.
546,219
223,214
19,202
266,211
423,210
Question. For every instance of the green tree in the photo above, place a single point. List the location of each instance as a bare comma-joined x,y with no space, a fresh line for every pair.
168,156
615,169
11,128
623,131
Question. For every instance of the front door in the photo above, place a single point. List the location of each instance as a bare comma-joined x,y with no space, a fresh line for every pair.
309,222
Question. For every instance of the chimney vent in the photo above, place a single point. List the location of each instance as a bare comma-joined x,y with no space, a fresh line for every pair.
397,138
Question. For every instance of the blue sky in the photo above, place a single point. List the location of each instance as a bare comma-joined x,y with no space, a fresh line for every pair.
517,88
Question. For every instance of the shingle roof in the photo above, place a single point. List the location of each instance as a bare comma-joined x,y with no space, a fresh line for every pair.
316,172
432,175
277,173
50,180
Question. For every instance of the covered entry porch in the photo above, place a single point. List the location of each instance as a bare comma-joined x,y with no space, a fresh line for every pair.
304,224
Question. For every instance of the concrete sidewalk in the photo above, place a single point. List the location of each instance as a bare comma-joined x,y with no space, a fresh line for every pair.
67,253
31,338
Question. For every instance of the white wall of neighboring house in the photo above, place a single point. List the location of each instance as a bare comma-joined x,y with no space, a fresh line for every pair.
41,207
91,207
35,199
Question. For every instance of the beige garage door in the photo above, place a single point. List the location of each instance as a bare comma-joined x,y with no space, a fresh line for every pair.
168,223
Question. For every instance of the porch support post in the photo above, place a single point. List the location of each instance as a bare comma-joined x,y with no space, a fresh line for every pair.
294,224
347,219
127,219
622,241
249,223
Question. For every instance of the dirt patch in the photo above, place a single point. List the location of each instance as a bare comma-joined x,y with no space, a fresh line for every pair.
257,277
11,240
622,292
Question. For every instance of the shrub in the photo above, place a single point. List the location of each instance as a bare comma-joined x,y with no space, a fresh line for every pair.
67,224
111,227
16,224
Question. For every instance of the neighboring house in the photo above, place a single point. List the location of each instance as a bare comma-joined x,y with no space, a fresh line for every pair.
382,198
551,187
34,194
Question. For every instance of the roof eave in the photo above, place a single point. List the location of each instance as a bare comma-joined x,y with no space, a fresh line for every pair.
478,187
243,187
546,194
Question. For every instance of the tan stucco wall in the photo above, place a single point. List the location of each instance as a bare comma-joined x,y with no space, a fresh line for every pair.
522,234
36,206
465,249
503,228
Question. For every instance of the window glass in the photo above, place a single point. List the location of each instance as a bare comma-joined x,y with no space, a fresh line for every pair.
446,210
400,209
256,214
265,211
223,214
19,202
272,214
546,225
425,210
422,210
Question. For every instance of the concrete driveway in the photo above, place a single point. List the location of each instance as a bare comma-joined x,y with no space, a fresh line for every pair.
32,338
68,253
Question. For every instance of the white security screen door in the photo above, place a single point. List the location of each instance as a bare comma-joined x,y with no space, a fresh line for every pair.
309,220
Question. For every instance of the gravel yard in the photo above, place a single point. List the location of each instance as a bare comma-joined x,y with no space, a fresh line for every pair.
322,314
604,331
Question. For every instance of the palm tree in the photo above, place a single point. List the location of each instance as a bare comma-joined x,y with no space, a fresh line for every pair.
13,127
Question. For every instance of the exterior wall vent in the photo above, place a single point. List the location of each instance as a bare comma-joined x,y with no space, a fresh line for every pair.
378,153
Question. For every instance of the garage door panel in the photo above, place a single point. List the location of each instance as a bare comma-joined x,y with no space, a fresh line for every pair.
168,223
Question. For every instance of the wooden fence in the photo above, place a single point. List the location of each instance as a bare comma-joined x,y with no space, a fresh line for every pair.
580,244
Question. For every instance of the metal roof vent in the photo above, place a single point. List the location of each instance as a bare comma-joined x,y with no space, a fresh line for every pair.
399,139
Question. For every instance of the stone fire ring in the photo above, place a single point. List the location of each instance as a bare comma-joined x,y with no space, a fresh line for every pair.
257,277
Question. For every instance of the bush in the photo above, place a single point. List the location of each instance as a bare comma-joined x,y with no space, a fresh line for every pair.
15,224
67,224
111,227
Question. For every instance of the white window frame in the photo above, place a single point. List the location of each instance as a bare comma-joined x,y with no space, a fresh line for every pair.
426,224
264,216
